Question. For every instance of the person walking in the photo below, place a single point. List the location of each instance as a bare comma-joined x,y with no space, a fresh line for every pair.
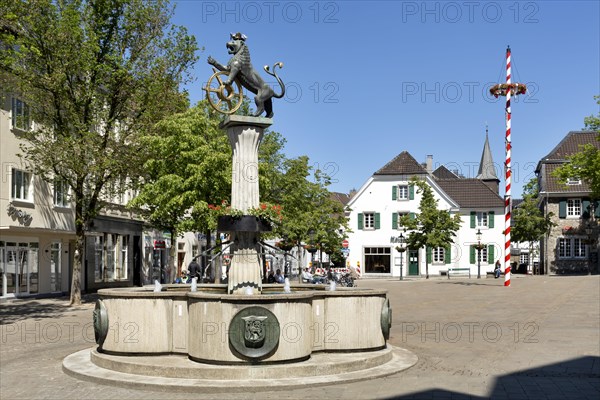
194,269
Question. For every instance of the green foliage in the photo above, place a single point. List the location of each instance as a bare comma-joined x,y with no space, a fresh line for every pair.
188,169
528,222
592,122
586,163
431,227
96,74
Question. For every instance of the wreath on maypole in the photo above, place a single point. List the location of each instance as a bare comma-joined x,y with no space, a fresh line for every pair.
502,89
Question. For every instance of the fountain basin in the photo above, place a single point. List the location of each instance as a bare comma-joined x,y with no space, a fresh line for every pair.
211,326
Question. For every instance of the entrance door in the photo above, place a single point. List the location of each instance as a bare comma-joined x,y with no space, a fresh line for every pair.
413,262
17,269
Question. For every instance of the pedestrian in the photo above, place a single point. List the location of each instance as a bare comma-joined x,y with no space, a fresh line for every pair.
194,269
497,269
271,277
278,277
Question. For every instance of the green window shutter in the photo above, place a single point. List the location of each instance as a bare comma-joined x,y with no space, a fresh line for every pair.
473,215
429,255
395,192
377,221
361,219
490,253
411,192
472,254
586,209
490,219
562,209
412,215
447,255
394,220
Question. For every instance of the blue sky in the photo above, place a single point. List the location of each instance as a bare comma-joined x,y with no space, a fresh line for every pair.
369,79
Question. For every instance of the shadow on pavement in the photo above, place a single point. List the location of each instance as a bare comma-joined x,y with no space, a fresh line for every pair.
21,309
578,378
471,283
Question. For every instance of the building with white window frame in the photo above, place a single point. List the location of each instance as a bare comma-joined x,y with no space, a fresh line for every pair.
37,229
388,194
571,247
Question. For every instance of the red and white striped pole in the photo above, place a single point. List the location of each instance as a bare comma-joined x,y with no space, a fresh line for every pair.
508,178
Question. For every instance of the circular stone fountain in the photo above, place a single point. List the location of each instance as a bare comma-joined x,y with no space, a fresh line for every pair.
243,335
183,340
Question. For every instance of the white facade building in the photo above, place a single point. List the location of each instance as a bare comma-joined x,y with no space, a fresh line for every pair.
388,194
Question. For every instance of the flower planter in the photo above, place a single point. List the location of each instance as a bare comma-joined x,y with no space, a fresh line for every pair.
242,223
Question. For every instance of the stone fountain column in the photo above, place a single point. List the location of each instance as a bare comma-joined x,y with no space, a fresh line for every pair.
245,134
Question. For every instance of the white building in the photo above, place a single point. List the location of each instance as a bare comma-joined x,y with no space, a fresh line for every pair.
388,194
37,230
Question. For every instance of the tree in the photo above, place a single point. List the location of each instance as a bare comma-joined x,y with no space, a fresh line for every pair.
431,227
528,222
188,168
592,122
585,164
96,74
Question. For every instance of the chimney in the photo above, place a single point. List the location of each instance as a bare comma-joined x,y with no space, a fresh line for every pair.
429,163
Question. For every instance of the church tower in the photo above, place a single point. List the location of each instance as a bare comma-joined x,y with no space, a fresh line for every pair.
487,169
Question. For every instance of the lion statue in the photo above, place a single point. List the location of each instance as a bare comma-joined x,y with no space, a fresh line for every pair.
240,68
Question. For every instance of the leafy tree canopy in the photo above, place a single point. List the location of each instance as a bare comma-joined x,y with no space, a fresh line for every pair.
95,74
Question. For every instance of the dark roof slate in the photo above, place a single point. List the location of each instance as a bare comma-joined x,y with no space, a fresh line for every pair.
444,173
571,144
470,193
551,183
568,146
343,198
402,164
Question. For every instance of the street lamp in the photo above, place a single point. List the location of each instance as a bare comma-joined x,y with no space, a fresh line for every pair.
401,249
479,246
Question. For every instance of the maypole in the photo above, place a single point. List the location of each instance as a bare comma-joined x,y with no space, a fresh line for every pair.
508,89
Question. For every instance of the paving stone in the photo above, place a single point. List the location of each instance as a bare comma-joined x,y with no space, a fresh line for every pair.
564,363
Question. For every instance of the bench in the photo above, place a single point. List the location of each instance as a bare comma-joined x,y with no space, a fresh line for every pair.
459,271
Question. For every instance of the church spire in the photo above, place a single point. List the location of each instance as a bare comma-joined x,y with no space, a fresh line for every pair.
487,169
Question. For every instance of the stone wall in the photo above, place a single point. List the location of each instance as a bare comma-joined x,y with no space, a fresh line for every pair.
566,227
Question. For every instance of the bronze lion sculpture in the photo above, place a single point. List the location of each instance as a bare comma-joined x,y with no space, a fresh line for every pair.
240,68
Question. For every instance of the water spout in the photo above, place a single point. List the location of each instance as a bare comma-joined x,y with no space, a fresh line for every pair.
157,286
194,286
331,286
286,286
249,290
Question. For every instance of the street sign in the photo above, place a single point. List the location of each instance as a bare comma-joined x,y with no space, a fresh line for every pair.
345,252
345,244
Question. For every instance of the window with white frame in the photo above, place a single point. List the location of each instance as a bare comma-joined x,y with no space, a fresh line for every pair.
20,115
482,219
21,185
369,220
574,208
524,258
402,192
439,254
573,180
483,255
111,257
579,248
571,247
61,192
400,215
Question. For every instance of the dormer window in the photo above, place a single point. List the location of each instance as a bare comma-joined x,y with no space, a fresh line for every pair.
573,181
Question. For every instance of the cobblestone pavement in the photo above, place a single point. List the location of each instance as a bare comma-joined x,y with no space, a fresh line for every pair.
538,339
